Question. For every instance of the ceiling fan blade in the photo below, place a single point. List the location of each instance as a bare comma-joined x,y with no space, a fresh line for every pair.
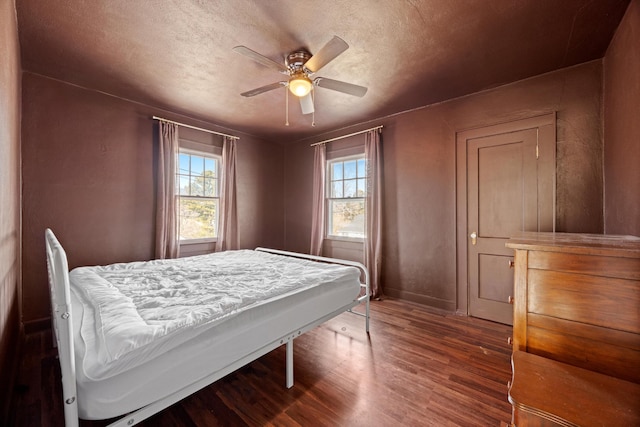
339,86
243,50
263,89
306,103
326,54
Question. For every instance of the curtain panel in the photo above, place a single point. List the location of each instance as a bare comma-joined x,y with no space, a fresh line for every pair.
318,213
167,235
373,239
228,233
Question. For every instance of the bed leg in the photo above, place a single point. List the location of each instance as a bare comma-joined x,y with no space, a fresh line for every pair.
290,363
367,315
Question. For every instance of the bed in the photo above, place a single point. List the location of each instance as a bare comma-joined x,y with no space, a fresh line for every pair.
134,338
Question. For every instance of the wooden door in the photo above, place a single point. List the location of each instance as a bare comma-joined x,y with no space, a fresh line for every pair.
507,190
502,200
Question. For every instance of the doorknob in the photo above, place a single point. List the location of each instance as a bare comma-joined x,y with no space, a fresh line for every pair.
474,237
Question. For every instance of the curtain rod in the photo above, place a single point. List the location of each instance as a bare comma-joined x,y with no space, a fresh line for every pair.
346,136
195,127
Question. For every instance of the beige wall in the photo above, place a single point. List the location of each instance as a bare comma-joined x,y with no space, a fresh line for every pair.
89,175
9,200
622,126
419,255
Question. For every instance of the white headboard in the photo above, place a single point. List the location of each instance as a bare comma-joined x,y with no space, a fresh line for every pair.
58,270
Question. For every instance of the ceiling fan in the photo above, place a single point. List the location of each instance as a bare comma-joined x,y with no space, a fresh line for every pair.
300,66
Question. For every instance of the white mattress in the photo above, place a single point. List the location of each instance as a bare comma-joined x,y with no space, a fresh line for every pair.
134,345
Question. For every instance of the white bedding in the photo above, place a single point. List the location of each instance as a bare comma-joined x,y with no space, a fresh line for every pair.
210,352
142,310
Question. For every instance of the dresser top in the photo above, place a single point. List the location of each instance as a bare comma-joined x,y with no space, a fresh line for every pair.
590,244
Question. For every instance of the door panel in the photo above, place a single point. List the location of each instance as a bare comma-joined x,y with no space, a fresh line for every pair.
495,277
502,200
500,171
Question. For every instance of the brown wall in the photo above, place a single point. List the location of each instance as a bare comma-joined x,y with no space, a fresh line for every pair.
622,126
419,261
9,200
89,172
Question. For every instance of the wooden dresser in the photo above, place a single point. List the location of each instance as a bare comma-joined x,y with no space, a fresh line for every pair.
576,330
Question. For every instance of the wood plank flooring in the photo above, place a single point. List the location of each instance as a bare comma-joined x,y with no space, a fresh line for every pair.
416,368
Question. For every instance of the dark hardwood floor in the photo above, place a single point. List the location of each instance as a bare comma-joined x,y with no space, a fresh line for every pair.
417,368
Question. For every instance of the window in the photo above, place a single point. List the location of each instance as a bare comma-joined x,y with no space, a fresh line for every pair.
347,189
198,190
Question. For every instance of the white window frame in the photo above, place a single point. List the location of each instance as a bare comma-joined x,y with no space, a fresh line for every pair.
329,199
218,165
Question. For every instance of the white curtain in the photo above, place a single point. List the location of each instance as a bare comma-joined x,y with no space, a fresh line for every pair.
373,239
228,235
317,216
167,245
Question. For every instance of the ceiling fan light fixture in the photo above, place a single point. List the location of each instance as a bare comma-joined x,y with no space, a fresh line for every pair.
300,86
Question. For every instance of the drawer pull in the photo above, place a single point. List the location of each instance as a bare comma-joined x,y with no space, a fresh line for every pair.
510,299
511,263
510,341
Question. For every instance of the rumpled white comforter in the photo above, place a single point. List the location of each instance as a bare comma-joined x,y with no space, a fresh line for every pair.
133,311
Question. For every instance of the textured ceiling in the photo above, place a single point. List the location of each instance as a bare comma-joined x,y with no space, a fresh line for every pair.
177,55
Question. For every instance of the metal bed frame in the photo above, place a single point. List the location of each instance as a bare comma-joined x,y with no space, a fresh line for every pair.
58,271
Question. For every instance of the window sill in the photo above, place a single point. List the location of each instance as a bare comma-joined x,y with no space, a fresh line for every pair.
197,241
346,239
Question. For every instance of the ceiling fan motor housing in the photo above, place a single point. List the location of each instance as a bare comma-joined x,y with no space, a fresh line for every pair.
295,61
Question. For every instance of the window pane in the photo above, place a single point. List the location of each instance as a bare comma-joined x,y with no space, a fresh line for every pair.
216,187
362,168
336,189
197,186
207,182
336,171
210,166
362,188
197,165
350,169
184,185
346,218
350,188
198,218
183,163
208,187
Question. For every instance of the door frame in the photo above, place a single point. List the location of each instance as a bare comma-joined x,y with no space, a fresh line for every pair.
546,125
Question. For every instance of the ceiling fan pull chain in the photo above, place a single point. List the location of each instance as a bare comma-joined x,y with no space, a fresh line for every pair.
286,103
313,113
